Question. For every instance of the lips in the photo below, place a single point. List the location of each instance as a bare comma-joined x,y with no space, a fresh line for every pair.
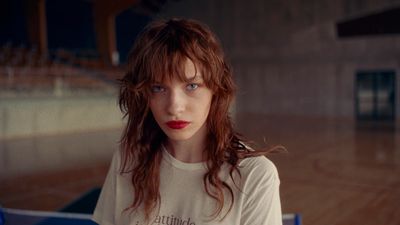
177,124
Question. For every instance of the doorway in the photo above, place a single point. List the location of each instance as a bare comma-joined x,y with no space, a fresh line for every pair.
375,95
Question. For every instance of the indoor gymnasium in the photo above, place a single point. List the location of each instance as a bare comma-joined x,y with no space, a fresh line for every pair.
318,77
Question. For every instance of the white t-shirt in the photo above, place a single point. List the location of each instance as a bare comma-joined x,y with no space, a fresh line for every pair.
184,200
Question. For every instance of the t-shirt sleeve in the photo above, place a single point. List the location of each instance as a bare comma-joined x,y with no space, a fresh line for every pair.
105,208
262,204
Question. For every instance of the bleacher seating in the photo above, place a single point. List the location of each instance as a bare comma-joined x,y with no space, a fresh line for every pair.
24,69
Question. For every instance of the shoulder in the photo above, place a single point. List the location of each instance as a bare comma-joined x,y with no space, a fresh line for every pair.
116,161
260,163
259,191
258,168
117,157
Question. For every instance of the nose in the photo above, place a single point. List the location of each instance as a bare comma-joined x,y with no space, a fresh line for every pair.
177,102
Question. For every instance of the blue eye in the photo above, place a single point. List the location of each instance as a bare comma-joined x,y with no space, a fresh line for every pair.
192,87
157,88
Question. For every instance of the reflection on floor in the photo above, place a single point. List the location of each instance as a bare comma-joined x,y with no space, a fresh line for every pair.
46,173
334,173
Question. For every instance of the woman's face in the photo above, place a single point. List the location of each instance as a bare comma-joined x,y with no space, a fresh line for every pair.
181,108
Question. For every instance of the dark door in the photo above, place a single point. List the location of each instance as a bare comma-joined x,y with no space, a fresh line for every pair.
375,95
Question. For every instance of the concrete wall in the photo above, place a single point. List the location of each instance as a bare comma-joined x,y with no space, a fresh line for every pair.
286,55
27,116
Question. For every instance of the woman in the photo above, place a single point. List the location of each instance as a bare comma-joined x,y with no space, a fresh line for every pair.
181,162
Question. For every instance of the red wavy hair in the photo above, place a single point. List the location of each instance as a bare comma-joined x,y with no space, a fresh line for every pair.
160,52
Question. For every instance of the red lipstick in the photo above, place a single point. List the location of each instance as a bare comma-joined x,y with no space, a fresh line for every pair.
177,124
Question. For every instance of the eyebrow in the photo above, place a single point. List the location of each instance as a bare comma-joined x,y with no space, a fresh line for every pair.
196,77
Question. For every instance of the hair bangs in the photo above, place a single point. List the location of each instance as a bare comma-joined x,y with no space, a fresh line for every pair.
169,62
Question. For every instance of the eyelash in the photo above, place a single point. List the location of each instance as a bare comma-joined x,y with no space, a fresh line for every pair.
160,88
190,87
157,89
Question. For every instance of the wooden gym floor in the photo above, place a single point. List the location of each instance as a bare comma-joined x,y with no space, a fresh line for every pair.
335,172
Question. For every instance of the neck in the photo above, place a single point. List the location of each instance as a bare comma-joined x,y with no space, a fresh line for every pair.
188,151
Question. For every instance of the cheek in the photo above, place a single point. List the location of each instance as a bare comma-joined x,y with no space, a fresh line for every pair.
207,106
213,106
154,107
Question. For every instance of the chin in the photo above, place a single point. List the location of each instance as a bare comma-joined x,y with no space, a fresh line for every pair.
179,137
